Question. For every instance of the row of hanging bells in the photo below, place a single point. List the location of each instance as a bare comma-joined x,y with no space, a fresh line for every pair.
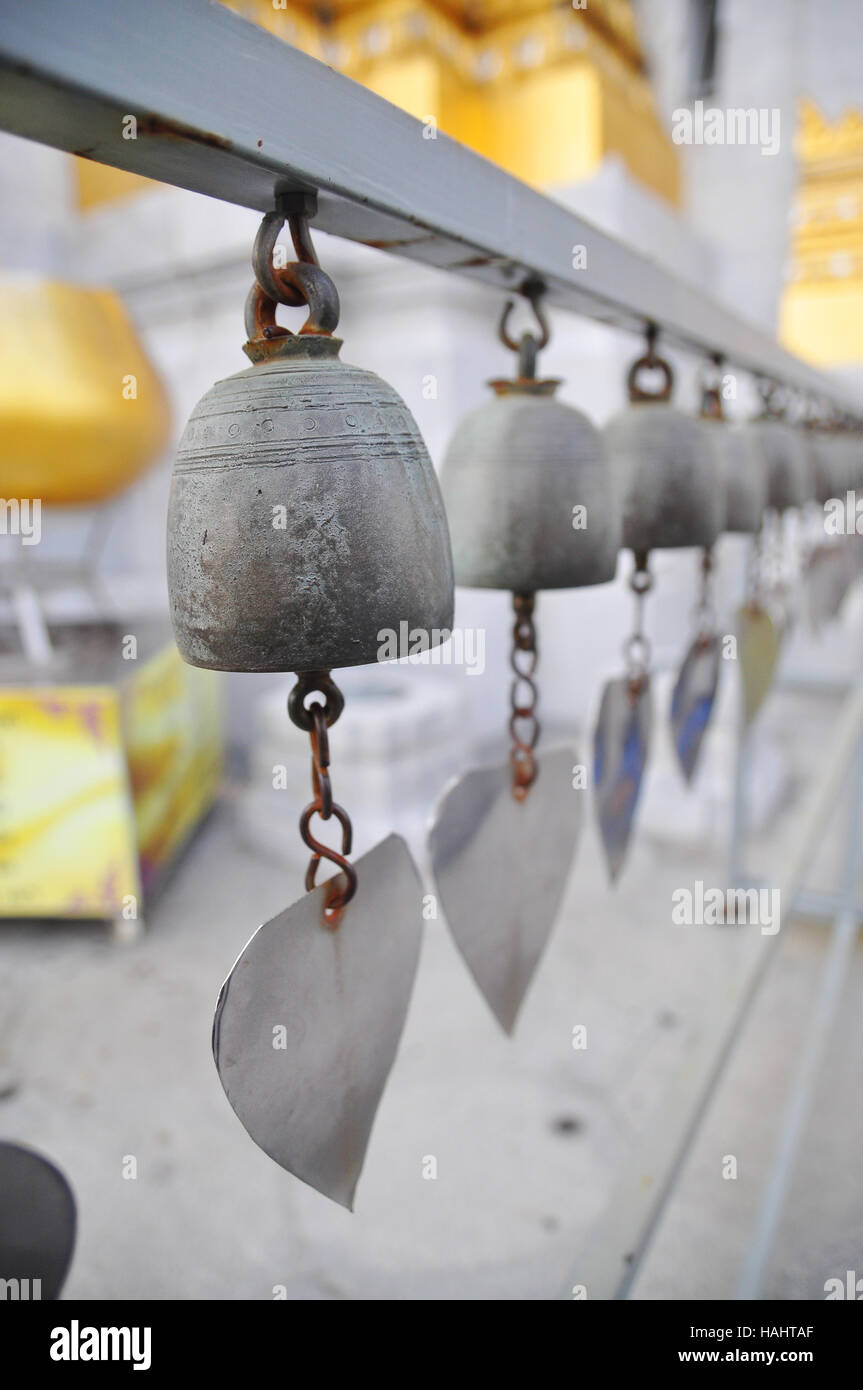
305,517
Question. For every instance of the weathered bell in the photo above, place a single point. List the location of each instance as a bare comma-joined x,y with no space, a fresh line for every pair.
842,464
672,496
790,479
516,469
530,498
305,517
739,464
827,464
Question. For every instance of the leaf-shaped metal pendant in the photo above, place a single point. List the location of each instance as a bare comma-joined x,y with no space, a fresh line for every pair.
759,643
692,700
620,748
501,867
309,1019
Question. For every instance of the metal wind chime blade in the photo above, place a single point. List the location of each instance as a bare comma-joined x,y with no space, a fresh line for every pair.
672,499
309,1020
693,699
503,838
694,693
621,744
501,867
759,643
304,518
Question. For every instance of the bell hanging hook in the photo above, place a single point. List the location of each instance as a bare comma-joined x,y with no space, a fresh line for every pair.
651,361
300,282
711,388
528,346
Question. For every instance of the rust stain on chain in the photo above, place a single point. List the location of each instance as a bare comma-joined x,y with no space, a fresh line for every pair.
523,723
316,720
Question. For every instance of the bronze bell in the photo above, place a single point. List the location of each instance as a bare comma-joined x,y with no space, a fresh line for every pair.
305,516
516,469
672,496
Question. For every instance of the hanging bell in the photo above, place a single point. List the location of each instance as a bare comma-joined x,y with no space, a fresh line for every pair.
671,496
516,470
672,499
531,506
305,515
305,519
739,462
789,477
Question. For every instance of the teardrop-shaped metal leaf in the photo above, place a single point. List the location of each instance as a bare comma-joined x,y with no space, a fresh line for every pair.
692,700
759,644
501,867
309,1020
620,748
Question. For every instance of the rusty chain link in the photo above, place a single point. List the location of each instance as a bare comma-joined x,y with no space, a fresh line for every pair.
523,660
316,719
637,648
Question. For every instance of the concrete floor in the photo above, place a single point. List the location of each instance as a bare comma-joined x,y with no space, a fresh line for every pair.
105,1053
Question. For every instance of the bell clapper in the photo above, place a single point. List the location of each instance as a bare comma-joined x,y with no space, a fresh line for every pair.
523,660
316,719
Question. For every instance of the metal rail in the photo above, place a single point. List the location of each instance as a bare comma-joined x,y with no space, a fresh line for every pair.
225,109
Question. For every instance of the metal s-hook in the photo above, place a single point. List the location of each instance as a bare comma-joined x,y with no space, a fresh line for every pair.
711,390
528,345
299,282
651,360
316,719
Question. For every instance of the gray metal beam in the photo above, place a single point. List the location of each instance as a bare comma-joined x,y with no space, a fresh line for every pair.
225,109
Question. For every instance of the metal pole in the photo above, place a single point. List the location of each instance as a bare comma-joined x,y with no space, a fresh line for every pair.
230,111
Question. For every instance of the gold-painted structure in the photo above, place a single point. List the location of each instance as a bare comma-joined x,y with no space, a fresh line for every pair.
822,306
82,411
546,90
103,784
